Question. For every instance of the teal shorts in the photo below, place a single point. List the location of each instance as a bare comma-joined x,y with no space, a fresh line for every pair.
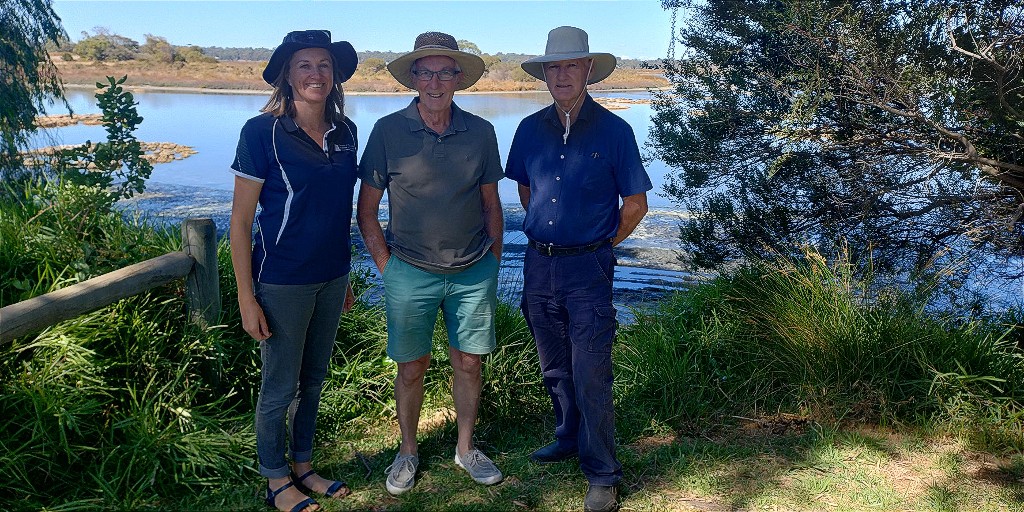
467,301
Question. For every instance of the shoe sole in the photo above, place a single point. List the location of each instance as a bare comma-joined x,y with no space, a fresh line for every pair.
491,480
395,491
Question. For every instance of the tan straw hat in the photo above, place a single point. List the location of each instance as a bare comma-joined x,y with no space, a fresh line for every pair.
566,43
437,43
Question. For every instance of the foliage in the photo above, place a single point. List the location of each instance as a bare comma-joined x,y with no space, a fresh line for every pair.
469,47
107,409
806,337
158,49
373,65
104,45
29,80
130,407
115,169
234,53
894,127
193,54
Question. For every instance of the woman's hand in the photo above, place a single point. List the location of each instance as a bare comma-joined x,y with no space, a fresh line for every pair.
253,320
350,299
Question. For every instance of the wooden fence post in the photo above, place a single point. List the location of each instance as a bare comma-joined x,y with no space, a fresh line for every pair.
202,285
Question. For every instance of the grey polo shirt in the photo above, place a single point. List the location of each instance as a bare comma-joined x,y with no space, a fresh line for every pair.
435,213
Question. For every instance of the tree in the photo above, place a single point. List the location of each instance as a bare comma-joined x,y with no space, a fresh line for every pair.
28,79
106,46
113,169
373,65
891,127
468,47
158,49
193,55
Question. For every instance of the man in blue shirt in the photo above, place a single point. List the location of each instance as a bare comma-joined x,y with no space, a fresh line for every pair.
574,161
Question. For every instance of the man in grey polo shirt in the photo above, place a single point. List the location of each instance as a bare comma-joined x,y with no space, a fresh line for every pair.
441,249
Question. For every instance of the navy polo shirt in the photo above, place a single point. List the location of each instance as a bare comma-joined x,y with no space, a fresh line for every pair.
575,187
305,207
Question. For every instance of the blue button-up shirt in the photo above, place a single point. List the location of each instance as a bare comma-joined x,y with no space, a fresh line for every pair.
575,187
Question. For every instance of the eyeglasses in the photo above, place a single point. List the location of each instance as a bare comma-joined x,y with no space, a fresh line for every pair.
444,75
320,37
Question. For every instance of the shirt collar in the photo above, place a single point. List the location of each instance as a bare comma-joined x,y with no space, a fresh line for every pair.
457,124
555,115
291,127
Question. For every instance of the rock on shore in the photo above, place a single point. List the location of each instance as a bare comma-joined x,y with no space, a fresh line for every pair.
155,153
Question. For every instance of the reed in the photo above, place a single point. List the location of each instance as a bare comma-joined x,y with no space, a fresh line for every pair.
807,338
131,407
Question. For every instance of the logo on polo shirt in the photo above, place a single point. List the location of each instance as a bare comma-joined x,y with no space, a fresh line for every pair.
344,147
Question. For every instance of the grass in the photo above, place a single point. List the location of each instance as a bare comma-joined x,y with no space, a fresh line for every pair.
779,386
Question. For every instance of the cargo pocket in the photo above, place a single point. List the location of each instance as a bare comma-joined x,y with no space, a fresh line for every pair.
597,333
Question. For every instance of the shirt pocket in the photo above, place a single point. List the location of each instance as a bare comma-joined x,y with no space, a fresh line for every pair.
595,169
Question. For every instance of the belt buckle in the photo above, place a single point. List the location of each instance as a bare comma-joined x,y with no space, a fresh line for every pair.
549,250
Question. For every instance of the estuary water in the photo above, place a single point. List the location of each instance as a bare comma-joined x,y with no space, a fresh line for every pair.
200,185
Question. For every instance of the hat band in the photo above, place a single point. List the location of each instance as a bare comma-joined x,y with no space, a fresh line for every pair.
435,47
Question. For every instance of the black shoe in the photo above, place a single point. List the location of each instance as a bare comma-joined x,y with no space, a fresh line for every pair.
601,498
552,453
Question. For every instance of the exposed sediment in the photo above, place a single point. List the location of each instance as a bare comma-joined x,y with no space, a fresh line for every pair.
155,153
62,120
620,103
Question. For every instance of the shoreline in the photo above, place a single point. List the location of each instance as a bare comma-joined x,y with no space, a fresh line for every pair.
204,90
646,270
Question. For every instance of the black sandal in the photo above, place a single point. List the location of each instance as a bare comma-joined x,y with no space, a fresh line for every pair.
272,496
333,490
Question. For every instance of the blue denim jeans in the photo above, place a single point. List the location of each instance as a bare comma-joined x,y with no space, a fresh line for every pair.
567,303
303,322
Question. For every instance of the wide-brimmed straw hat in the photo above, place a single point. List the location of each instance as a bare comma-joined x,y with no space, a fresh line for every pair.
437,43
345,59
567,43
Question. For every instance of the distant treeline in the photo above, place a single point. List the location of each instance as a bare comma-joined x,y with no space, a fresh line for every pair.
104,45
263,54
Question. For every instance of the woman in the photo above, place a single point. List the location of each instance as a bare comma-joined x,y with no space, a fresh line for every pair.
297,161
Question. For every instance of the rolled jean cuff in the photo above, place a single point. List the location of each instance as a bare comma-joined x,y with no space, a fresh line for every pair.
280,472
305,456
607,481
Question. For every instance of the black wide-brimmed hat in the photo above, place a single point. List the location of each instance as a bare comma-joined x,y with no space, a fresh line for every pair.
345,59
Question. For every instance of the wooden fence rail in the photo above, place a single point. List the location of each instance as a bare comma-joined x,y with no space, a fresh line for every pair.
196,262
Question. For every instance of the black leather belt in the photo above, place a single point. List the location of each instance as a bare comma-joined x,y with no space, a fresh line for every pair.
561,250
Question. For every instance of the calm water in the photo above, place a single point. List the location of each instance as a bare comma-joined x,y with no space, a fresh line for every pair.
200,185
210,123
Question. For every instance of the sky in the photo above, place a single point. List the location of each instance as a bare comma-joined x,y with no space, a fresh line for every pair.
625,28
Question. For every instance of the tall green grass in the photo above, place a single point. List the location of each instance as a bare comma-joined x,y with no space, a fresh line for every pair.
131,407
808,338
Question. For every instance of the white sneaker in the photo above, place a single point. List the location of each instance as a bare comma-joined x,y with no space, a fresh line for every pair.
479,467
401,473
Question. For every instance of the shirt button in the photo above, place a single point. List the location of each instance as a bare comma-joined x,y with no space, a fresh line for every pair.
439,139
553,200
550,222
558,178
562,157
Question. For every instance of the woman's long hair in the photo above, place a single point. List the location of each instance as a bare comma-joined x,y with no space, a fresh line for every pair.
281,101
